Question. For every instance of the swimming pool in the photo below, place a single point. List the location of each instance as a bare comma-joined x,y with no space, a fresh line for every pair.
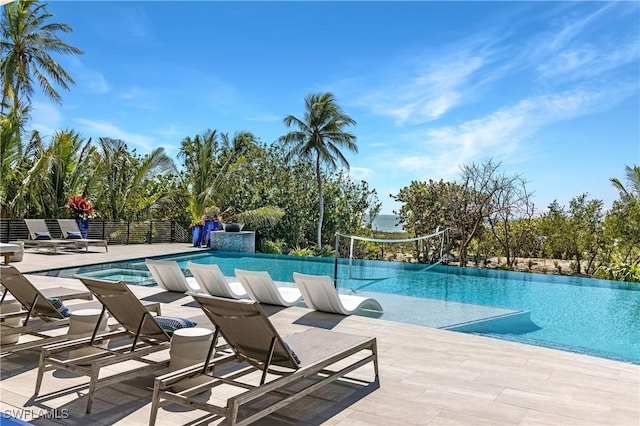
589,316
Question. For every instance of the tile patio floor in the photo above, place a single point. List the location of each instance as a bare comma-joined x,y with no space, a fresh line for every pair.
427,376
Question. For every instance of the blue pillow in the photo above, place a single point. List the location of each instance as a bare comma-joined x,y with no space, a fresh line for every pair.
171,324
74,235
57,303
43,236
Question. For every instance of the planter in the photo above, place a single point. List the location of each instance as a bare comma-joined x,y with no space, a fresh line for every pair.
196,233
232,227
210,225
83,225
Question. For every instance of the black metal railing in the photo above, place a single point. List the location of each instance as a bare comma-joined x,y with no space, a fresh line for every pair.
115,232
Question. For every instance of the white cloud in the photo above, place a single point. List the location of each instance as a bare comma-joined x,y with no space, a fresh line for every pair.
428,91
169,131
109,130
86,77
45,117
264,118
134,93
361,173
439,151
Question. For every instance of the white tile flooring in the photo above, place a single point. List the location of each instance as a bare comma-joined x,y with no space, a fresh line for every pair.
427,376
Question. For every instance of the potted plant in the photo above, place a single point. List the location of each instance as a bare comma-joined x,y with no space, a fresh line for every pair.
210,223
81,210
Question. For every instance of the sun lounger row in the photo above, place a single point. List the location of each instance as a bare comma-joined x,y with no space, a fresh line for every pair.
40,236
256,360
318,292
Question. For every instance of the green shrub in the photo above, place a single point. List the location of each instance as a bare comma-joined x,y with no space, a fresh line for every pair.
619,271
299,251
325,251
273,247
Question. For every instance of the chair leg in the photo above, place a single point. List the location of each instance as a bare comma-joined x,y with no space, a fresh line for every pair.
93,384
374,349
155,403
41,367
232,408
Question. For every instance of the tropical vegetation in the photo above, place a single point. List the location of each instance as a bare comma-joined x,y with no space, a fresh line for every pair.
295,192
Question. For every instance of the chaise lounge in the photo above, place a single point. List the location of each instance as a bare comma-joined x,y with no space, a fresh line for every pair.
261,288
40,237
302,363
169,276
214,283
39,314
71,231
319,293
143,333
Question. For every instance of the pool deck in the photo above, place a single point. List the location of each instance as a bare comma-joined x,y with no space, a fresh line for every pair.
428,376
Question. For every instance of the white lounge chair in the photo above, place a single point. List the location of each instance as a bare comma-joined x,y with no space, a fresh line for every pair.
263,289
169,276
319,293
213,282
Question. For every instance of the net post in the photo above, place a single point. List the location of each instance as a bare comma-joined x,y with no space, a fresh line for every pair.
335,264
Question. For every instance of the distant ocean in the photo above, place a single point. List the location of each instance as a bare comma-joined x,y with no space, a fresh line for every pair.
386,223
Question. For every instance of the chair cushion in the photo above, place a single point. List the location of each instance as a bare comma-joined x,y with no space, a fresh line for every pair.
74,235
57,303
171,324
43,236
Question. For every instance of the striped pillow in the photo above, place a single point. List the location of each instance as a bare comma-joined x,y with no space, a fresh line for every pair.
57,303
171,324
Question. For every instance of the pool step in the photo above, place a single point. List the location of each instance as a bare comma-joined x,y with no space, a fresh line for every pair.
512,323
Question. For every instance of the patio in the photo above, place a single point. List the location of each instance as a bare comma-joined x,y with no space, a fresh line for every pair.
427,376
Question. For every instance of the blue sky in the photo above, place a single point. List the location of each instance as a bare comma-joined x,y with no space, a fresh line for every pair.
550,89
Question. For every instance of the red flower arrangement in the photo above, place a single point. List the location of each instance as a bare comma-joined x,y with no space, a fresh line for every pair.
80,207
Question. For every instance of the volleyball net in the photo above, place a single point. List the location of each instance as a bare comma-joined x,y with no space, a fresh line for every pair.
356,252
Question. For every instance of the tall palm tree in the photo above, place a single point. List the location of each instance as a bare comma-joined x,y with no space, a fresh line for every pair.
26,45
633,181
320,138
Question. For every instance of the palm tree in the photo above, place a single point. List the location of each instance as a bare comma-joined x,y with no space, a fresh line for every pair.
119,175
633,181
55,172
320,138
26,45
207,159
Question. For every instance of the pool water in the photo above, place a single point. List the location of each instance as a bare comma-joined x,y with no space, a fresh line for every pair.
596,317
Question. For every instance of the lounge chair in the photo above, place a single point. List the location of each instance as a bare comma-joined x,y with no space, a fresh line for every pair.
70,230
319,293
214,283
40,237
38,313
302,362
145,337
263,289
169,276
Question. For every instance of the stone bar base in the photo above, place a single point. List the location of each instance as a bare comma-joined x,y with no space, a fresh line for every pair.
243,241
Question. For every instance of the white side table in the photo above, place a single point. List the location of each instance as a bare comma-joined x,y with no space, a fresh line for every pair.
189,346
81,324
7,307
